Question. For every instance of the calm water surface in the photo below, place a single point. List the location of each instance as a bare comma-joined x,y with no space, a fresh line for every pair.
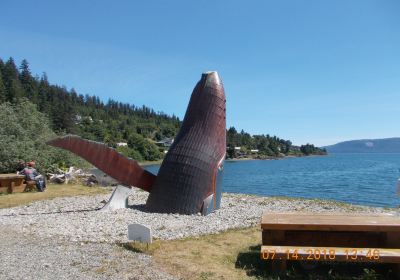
368,179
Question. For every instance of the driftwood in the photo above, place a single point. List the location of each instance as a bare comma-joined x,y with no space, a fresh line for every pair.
62,177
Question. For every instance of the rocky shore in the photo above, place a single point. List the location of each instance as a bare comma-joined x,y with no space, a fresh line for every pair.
32,233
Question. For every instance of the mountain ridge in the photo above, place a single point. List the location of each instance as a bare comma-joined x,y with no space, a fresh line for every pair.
382,145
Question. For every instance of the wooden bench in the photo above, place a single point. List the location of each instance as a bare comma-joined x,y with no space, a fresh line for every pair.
330,237
11,183
30,186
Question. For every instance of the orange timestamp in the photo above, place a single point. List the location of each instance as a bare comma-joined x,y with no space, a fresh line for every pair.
321,254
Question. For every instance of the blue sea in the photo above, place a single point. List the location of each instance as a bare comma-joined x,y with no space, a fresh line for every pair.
366,179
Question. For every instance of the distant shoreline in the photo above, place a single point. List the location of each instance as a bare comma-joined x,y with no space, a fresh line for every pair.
271,158
147,163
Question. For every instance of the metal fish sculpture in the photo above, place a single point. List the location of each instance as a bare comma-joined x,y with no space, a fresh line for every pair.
190,177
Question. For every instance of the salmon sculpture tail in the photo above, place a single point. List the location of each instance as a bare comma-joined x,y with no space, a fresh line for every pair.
190,177
123,169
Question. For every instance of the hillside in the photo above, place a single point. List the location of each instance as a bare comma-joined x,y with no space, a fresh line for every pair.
387,145
69,112
132,130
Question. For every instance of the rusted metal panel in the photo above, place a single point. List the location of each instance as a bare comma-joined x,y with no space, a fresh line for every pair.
188,174
108,160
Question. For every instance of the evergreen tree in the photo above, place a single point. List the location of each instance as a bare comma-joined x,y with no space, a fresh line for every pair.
14,90
3,94
1,65
25,74
11,82
63,117
43,95
27,81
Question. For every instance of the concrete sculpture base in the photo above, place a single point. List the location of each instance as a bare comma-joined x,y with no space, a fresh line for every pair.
118,199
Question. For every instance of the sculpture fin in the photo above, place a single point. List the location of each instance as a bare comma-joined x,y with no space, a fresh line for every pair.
108,160
208,205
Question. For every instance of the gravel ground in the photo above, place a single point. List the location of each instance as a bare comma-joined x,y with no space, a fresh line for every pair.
69,238
76,218
28,257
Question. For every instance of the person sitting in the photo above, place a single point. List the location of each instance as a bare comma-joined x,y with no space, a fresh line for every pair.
20,166
32,175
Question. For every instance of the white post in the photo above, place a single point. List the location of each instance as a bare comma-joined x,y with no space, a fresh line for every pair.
141,233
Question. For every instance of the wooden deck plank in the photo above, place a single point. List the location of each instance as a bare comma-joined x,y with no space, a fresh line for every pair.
329,222
299,253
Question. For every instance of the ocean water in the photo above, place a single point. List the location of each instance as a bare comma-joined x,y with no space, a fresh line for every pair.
366,179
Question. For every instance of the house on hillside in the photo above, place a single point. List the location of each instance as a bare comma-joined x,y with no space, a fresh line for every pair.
78,119
166,142
237,152
122,144
295,148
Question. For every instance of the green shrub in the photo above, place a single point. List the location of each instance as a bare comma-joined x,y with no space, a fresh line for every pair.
130,153
23,135
147,149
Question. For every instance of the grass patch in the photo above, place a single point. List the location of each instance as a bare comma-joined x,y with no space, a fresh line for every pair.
52,191
145,248
207,257
235,254
153,162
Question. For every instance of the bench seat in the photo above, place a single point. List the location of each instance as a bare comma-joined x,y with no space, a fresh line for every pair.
330,237
330,222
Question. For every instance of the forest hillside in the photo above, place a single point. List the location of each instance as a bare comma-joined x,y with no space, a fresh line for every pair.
34,110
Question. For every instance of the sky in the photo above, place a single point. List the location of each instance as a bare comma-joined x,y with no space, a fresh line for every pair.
309,71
